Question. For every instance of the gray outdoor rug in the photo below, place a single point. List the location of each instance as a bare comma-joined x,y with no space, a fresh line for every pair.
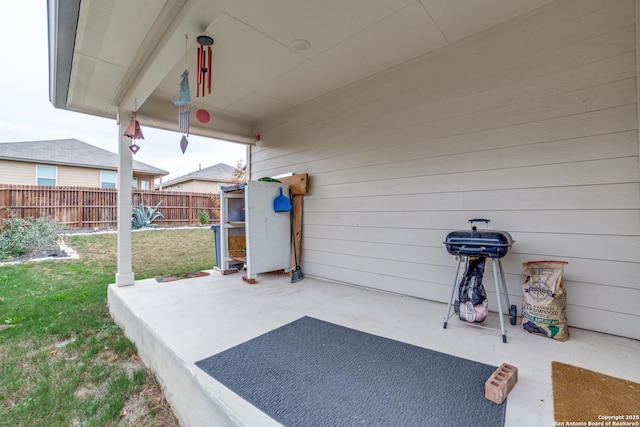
315,373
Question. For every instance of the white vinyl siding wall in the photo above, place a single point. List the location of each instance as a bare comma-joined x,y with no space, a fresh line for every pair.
532,125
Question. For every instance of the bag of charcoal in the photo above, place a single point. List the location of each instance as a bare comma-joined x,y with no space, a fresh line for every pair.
544,300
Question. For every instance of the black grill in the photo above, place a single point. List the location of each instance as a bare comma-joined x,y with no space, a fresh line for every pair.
492,244
474,242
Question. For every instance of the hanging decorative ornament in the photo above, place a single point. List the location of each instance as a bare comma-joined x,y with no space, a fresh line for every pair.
184,96
134,148
183,144
133,131
204,65
203,116
183,102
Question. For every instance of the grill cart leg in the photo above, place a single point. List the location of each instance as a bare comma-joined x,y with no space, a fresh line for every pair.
496,264
513,310
453,291
504,284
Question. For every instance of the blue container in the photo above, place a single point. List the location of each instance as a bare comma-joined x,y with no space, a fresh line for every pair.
236,210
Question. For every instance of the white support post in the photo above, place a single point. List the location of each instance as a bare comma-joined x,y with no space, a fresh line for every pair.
124,275
637,21
247,168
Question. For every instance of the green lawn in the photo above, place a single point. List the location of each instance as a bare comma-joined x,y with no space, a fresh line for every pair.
63,361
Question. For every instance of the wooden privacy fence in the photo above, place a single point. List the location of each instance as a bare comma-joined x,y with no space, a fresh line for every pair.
87,207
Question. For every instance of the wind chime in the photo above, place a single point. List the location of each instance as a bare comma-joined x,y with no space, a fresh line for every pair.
183,102
204,65
133,131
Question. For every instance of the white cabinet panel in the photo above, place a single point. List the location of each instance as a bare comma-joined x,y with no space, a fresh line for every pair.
268,232
250,214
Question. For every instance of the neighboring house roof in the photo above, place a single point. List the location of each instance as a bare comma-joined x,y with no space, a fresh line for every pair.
69,152
216,173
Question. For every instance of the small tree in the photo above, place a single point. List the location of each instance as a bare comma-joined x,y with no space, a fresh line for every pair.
239,173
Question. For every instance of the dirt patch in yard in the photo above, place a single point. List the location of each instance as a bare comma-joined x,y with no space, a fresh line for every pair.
37,255
149,407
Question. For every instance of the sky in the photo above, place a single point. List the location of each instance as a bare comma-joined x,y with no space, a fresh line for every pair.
26,114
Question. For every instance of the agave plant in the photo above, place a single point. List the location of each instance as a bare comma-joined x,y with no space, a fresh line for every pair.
144,216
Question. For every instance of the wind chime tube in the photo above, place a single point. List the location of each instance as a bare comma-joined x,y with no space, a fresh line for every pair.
198,74
183,120
204,69
200,69
210,71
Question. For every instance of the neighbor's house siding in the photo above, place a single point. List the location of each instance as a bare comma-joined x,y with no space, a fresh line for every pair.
532,125
24,173
196,187
17,173
74,176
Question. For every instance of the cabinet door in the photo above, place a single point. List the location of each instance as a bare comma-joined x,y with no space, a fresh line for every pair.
268,232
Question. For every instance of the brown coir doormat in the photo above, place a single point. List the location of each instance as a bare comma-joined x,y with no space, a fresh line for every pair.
581,397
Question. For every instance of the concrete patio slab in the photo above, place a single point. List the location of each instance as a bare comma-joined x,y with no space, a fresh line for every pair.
175,324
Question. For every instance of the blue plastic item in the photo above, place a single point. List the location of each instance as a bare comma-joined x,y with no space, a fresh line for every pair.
282,203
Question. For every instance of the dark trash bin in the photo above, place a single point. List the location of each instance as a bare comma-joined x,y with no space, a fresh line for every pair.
216,237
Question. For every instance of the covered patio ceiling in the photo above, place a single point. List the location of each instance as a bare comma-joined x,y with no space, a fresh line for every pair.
268,56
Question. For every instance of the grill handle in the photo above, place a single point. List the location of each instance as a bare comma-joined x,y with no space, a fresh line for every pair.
473,227
473,250
486,221
491,245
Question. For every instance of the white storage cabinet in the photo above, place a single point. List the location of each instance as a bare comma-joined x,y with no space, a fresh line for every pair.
249,212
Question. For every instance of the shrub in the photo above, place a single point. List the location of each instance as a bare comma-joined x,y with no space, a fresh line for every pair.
203,217
20,236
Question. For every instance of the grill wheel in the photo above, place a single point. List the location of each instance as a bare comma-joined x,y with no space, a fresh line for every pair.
513,314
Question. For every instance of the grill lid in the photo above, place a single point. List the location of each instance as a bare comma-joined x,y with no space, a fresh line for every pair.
474,242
